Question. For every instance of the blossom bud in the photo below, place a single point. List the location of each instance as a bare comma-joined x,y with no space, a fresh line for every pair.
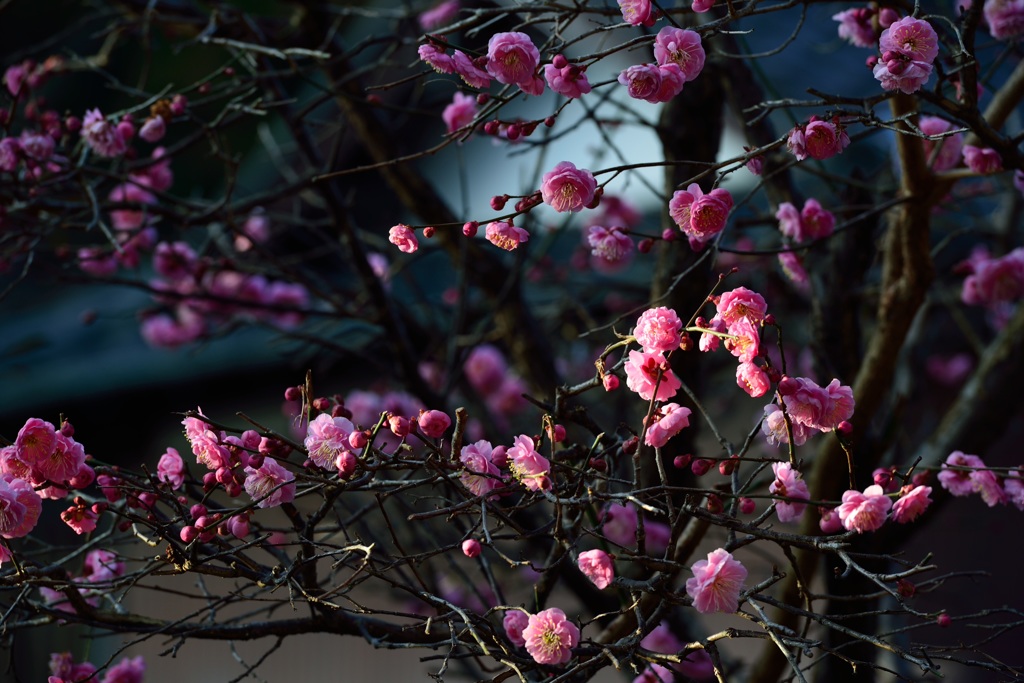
483,98
644,245
559,62
178,104
154,129
398,425
871,61
346,463
233,489
513,131
787,385
557,434
669,234
905,588
322,404
845,428
887,16
685,342
357,439
469,228
491,127
700,467
498,201
73,124
682,461
549,121
256,460
610,382
428,232
598,464
944,620
66,429
188,534
293,393
197,511
747,506
471,547
499,456
714,504
630,445
727,467
205,522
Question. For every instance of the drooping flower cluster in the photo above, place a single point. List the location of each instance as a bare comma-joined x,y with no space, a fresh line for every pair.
716,583
908,47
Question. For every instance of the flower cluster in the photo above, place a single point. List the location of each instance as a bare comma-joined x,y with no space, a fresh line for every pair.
678,59
993,281
963,474
810,223
700,216
908,47
816,407
817,139
740,313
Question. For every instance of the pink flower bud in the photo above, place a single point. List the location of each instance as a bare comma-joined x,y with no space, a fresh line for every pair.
188,534
471,547
557,434
154,129
346,463
357,439
197,511
681,462
610,382
434,423
498,201
126,129
470,228
845,427
944,620
398,425
747,506
178,104
887,17
630,445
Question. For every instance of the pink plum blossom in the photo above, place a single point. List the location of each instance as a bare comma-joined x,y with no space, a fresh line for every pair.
774,427
855,26
814,406
1013,488
658,330
35,441
270,485
10,151
439,15
102,136
636,12
404,238
171,468
744,341
1005,18
12,511
865,511
434,423
643,372
570,80
611,248
741,304
958,482
26,495
36,146
700,216
811,223
527,465
460,113
830,523
597,566
672,81
986,483
668,421
512,58
619,524
515,622
982,160
436,58
567,188
752,379
642,81
943,153
480,475
506,236
550,637
81,518
326,437
793,267
788,484
995,280
716,583
680,47
128,670
154,129
911,504
817,139
915,39
470,72
485,368
709,342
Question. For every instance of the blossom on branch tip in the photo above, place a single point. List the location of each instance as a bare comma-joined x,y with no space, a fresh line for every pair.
404,238
636,12
550,637
716,583
567,188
